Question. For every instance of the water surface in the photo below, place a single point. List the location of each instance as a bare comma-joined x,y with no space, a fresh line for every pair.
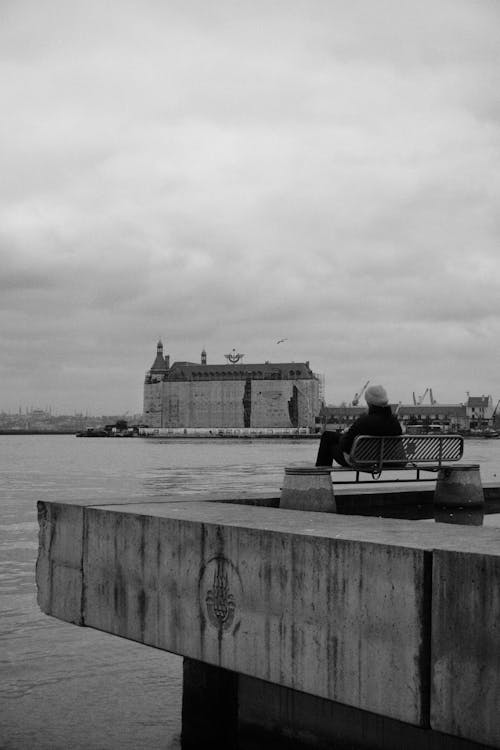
69,688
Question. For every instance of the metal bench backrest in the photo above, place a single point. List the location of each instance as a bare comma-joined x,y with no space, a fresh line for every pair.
373,453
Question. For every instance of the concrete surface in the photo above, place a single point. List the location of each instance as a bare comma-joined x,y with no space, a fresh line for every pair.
466,644
59,565
271,717
322,613
335,606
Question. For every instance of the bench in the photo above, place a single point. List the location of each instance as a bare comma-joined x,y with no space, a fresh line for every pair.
374,454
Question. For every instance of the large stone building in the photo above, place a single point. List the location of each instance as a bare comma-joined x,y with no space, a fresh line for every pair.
231,395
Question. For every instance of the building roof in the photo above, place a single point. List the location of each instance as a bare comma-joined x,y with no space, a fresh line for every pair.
402,410
160,364
429,409
478,401
344,411
259,370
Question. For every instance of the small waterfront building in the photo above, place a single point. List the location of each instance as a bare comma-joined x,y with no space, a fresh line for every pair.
479,410
231,395
447,417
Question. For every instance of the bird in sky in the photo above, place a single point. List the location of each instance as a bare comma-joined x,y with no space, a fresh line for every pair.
280,341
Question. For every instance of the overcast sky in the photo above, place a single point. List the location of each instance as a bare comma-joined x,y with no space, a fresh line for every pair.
230,173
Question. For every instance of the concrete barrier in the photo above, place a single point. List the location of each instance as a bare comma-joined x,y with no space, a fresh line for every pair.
315,607
466,643
59,565
335,607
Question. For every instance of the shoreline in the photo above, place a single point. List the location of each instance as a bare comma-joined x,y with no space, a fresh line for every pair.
162,437
230,437
276,436
37,432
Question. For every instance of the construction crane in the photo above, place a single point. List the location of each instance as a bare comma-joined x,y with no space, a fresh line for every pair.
495,412
357,396
418,401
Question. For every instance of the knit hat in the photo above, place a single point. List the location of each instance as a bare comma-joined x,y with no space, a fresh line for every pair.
376,395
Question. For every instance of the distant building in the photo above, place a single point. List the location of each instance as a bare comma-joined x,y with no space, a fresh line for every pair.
230,395
450,417
479,410
476,413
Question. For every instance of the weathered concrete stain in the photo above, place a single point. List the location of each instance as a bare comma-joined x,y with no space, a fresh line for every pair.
59,562
337,607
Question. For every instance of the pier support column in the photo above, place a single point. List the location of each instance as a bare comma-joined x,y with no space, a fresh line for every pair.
209,706
459,496
308,488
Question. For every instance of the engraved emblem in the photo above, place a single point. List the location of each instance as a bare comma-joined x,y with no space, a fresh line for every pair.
219,599
220,589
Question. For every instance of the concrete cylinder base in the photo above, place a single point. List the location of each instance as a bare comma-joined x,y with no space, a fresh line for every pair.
308,488
459,496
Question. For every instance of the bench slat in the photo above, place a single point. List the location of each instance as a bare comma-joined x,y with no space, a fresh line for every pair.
386,451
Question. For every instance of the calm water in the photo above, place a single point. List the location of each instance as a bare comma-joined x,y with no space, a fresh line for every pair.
69,688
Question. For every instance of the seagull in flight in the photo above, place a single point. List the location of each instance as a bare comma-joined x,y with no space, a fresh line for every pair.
280,341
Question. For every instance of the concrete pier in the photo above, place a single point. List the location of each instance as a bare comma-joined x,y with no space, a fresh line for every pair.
331,616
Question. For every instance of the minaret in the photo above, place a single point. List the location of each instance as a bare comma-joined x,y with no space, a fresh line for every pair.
203,357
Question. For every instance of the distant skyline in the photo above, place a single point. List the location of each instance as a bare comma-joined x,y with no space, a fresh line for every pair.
423,398
230,174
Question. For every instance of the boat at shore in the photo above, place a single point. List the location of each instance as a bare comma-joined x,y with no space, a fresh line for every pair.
488,433
92,432
120,429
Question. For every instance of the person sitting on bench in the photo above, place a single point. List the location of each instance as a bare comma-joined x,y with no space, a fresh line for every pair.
379,421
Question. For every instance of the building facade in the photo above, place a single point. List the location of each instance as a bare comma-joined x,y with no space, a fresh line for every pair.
231,395
479,410
475,414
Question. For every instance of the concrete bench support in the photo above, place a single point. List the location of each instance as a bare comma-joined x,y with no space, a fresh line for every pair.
459,496
308,488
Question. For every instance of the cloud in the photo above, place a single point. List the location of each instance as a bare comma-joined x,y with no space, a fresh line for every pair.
227,174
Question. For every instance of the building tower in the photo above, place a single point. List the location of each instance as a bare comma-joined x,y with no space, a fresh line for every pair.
203,357
161,363
153,388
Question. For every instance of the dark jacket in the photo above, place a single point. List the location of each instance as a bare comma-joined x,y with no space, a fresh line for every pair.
379,421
